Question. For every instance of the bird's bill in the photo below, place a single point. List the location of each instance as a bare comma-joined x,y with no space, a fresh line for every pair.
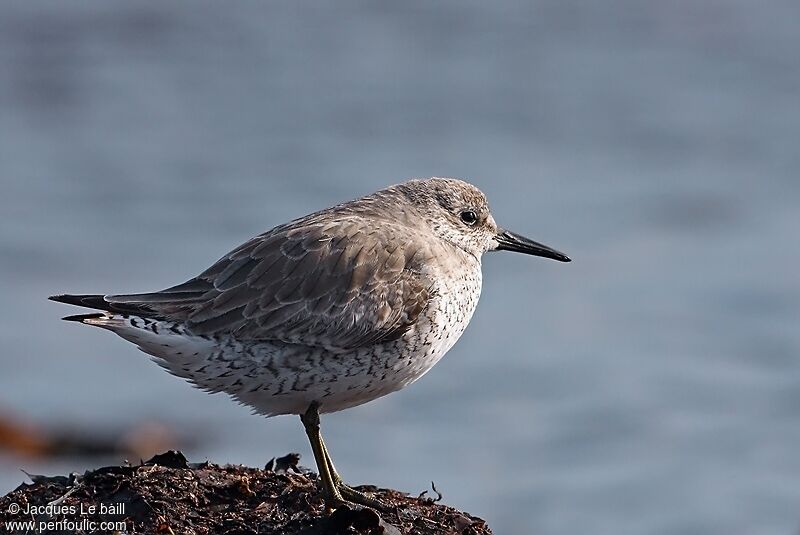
509,241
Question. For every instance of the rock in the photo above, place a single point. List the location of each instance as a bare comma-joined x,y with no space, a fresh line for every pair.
169,495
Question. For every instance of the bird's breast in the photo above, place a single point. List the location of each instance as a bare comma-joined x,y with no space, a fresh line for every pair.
455,296
450,311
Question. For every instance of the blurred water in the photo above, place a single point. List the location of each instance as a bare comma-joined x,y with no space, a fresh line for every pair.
651,386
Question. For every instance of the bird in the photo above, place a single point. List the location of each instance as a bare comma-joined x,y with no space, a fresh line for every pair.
324,313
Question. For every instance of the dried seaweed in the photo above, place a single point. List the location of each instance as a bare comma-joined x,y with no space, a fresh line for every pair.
167,494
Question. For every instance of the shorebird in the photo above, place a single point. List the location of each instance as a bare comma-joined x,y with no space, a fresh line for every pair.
325,312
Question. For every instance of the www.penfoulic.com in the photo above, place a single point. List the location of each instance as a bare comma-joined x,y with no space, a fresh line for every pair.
83,525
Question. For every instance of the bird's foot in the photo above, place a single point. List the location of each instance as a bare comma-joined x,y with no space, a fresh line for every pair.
334,490
356,496
345,494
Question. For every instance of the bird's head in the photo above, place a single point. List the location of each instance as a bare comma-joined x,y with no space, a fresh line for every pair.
459,213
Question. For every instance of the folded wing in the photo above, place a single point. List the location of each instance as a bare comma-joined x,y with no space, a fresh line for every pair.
340,285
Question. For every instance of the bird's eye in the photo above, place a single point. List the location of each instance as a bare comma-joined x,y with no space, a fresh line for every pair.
469,217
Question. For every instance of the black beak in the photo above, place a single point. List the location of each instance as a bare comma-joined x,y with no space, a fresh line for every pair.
514,242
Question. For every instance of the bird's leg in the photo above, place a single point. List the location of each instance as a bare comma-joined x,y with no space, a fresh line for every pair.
337,479
335,491
349,493
333,498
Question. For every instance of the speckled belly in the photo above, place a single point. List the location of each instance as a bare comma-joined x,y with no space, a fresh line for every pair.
444,322
277,378
340,381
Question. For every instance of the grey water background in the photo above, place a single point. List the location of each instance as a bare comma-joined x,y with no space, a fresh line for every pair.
651,386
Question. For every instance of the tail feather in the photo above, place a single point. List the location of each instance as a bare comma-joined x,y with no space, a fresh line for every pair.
99,302
191,291
86,300
81,317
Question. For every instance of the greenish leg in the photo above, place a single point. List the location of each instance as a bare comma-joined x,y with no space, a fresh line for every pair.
335,491
334,474
333,498
349,493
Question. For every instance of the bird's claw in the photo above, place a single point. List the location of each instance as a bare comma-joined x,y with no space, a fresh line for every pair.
345,495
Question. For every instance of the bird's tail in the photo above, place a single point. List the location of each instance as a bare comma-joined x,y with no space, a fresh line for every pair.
84,318
87,300
99,302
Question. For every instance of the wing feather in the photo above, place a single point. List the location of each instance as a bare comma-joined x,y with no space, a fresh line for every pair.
342,285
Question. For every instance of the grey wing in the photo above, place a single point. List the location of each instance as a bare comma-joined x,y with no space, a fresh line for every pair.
337,285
